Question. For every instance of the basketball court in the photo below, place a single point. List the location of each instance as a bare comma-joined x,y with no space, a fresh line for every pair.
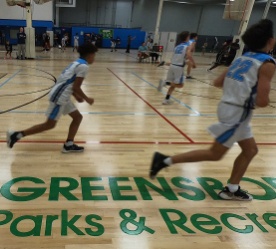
104,198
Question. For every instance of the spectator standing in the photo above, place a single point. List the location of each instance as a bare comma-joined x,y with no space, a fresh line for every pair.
21,43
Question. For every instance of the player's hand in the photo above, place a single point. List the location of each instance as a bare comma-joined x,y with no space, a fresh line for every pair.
194,65
90,101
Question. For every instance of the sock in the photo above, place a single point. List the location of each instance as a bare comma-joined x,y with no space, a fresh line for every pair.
233,187
168,83
168,97
168,161
69,143
19,135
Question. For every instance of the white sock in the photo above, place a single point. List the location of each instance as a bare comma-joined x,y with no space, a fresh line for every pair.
69,143
233,187
19,135
168,161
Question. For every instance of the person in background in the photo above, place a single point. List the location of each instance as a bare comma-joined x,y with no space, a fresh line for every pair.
204,48
129,40
118,42
8,47
142,52
21,41
63,43
175,76
113,44
93,38
47,45
76,42
234,47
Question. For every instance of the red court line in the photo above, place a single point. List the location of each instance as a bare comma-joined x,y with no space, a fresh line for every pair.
153,108
122,142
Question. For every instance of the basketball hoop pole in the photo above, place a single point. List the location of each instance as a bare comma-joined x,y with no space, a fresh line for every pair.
30,32
268,4
244,24
157,27
28,14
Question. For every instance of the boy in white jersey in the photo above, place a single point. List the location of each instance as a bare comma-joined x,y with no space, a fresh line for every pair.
245,84
175,76
69,83
192,43
76,42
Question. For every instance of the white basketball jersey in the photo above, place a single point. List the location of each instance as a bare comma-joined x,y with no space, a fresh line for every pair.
179,55
241,81
62,91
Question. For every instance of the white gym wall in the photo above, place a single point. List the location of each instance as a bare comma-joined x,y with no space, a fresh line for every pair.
40,12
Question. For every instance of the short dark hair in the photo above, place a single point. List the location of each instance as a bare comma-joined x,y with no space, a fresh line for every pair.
183,36
86,49
193,35
257,36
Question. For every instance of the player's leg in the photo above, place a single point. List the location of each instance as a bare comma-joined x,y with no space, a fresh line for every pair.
168,80
14,136
232,190
53,113
214,153
177,81
189,69
76,116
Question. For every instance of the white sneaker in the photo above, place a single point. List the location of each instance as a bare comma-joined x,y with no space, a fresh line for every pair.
160,86
166,102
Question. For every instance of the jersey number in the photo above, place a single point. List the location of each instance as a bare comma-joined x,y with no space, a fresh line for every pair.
238,69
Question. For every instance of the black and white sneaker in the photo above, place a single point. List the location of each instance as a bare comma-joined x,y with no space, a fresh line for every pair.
157,164
189,77
239,195
12,138
72,149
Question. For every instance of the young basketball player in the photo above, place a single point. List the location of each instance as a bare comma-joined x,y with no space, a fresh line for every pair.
69,83
175,76
245,84
192,43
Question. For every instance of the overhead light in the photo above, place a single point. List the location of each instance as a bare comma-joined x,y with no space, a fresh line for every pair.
274,2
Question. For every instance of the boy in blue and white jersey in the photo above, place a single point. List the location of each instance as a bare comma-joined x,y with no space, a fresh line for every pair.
69,83
175,76
192,44
246,84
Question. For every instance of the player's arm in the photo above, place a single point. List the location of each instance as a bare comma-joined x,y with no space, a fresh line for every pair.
266,73
218,82
190,57
78,93
192,46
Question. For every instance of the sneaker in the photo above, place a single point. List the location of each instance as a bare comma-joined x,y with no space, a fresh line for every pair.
12,138
72,149
166,102
189,77
157,164
240,195
160,86
162,63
